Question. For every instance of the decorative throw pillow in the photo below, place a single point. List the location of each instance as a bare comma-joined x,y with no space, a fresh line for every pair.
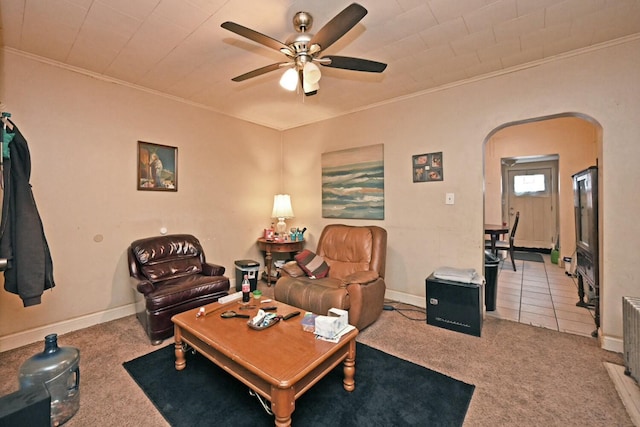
293,269
312,264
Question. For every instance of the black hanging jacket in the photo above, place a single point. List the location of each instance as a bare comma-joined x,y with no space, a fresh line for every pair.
22,241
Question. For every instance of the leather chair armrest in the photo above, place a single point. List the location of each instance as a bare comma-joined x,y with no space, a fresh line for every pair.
143,286
292,269
362,277
209,269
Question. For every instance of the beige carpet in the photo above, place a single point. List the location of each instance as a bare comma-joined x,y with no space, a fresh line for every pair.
524,375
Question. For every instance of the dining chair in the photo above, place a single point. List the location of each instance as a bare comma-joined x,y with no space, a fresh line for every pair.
503,245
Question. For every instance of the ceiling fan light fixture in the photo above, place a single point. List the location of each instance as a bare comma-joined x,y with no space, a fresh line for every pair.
303,50
311,73
289,80
310,88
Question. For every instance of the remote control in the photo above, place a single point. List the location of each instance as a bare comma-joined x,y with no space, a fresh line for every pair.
290,315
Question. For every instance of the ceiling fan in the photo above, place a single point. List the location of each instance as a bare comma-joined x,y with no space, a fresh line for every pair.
303,50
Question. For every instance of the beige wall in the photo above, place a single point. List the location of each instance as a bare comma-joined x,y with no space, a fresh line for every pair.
83,132
424,233
573,139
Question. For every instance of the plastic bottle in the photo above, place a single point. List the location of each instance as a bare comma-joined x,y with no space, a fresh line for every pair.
246,289
58,368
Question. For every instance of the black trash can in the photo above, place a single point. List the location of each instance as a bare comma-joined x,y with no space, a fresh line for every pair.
491,263
250,268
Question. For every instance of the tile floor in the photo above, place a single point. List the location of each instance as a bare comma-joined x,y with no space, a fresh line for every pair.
541,294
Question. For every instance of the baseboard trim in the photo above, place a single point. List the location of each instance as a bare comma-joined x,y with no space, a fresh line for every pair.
612,344
9,342
627,389
418,301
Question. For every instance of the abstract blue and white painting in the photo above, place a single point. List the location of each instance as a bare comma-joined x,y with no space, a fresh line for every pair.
353,183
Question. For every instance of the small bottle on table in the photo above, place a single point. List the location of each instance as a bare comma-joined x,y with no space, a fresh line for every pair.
246,289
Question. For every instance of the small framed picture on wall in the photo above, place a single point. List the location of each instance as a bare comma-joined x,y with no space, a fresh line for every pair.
157,167
427,167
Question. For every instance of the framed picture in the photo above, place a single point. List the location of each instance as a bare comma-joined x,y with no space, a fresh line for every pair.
427,167
157,167
353,183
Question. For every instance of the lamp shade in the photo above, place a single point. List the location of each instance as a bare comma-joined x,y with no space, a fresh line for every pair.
281,210
311,73
310,88
282,206
289,80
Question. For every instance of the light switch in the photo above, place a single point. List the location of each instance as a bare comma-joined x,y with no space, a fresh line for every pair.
449,199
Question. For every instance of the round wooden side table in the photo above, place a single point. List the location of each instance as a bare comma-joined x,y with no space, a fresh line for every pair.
271,246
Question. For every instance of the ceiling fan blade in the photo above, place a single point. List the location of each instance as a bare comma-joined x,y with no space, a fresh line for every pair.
355,64
254,35
339,25
260,71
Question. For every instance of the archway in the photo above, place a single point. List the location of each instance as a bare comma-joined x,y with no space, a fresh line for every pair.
575,140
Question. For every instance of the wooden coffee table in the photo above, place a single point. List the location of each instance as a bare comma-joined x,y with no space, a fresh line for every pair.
279,363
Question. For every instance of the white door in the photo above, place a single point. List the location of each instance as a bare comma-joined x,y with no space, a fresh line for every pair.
532,191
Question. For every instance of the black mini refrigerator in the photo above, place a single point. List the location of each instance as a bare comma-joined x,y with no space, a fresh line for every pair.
454,305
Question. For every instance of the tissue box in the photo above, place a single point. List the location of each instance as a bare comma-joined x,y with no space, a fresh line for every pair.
331,325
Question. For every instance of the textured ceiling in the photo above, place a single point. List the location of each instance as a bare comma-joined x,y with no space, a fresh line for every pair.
177,47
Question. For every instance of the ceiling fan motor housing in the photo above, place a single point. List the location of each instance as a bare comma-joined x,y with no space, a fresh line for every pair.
299,42
302,21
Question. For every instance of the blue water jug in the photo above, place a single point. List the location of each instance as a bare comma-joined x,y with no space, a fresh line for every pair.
58,368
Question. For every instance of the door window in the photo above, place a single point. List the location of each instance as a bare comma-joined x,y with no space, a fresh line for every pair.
530,185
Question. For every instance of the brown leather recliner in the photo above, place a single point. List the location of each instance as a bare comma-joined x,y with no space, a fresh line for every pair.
170,275
356,256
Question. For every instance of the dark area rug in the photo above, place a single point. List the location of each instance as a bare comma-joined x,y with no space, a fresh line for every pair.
389,392
528,256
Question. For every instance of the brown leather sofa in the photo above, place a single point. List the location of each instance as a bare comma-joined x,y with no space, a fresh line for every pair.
170,275
356,257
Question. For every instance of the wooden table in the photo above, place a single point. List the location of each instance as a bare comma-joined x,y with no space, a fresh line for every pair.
495,231
271,246
279,363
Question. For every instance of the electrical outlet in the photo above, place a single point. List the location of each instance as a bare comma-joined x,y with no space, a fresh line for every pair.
449,199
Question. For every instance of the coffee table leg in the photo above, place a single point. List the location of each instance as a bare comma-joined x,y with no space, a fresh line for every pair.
282,404
350,368
181,363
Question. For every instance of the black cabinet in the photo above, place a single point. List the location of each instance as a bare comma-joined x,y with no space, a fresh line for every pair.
27,407
454,305
585,196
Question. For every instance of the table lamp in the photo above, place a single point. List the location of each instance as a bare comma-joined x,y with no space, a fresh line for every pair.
281,210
